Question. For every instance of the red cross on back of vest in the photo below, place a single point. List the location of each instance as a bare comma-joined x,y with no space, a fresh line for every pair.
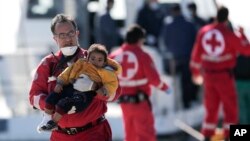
213,42
129,63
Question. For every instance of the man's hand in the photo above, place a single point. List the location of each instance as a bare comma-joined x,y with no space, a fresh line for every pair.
83,83
58,88
103,91
197,79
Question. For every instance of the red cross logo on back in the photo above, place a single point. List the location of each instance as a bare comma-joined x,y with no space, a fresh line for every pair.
213,42
126,65
129,63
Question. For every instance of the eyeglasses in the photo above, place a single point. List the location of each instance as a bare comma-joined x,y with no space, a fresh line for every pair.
70,34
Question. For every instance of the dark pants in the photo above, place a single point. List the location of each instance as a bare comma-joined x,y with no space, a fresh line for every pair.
189,89
243,100
69,99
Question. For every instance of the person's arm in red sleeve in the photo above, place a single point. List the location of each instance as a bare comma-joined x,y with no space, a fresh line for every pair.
241,43
39,86
152,74
195,62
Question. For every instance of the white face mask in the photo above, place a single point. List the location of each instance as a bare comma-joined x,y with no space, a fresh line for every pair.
68,51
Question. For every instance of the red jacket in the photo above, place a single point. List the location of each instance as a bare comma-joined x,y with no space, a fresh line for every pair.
216,48
138,70
44,83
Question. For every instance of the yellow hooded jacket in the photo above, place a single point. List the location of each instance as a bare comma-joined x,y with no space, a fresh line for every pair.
99,75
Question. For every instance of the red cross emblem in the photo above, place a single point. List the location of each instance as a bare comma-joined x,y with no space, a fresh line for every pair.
126,65
213,42
129,64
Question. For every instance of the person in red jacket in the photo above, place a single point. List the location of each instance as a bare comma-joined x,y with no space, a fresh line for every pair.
213,59
88,125
138,75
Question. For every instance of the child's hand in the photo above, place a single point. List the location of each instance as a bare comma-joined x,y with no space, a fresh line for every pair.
58,88
72,81
103,91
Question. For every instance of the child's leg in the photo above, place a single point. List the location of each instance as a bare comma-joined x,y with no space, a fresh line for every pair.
51,101
83,100
46,118
56,117
48,110
54,98
76,103
68,105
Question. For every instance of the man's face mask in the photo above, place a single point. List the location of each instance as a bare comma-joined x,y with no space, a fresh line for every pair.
68,51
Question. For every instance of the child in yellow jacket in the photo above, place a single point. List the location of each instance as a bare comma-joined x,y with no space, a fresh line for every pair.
96,73
69,101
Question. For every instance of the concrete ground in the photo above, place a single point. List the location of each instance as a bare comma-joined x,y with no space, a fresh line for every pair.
175,137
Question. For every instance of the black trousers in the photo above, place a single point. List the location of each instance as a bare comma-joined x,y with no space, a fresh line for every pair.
69,97
189,89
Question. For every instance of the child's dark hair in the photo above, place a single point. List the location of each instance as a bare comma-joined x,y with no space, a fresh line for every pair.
99,48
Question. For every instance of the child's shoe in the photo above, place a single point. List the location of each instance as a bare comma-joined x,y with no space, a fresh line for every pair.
46,119
51,125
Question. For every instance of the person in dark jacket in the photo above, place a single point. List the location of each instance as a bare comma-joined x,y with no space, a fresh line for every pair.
107,32
178,36
199,22
150,17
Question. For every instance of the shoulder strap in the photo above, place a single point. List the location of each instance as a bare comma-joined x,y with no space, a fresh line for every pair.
63,60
